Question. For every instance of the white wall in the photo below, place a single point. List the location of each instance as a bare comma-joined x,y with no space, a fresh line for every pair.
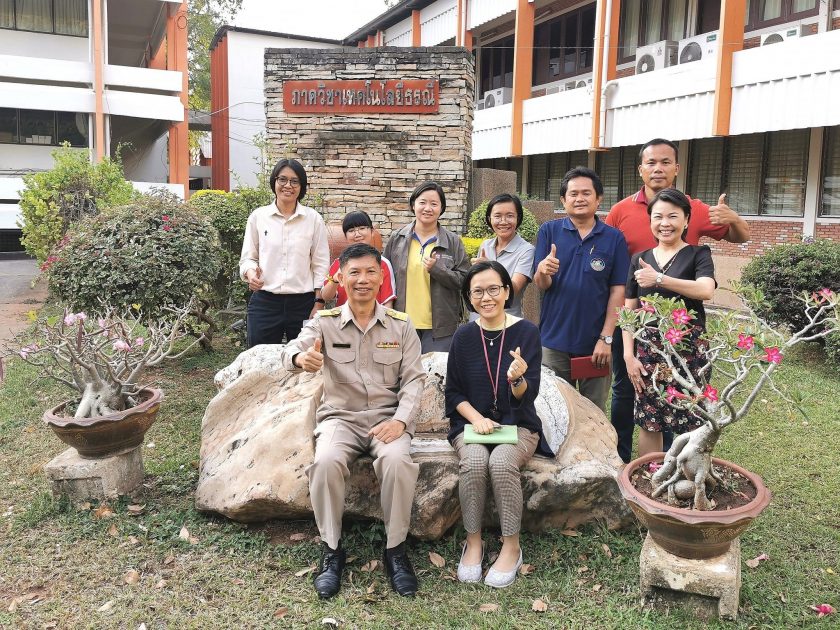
16,159
149,163
28,44
246,67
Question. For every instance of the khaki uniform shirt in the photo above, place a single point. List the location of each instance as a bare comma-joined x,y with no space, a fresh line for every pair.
370,375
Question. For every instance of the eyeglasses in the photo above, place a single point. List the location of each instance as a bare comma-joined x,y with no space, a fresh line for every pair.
362,229
493,291
285,181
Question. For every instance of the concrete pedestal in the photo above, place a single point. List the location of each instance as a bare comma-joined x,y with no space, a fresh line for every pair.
107,478
709,587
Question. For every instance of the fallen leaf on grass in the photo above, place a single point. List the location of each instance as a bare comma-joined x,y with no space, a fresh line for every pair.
437,560
822,610
142,626
369,566
15,602
539,606
830,571
133,540
371,588
488,608
131,576
169,559
329,621
583,569
238,581
184,534
526,569
607,550
570,532
298,537
161,584
596,588
752,564
103,511
303,572
783,598
281,612
85,506
135,510
106,606
113,531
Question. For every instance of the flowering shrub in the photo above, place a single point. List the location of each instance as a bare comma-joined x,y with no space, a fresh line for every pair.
102,357
739,346
156,252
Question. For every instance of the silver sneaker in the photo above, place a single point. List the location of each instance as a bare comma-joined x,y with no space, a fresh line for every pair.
497,579
467,572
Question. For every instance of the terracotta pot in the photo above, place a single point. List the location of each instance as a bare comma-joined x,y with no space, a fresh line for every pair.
338,242
104,436
686,533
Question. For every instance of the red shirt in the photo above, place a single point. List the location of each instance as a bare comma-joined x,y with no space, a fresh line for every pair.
630,216
386,291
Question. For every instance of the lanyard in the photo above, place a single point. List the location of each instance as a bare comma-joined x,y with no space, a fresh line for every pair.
495,383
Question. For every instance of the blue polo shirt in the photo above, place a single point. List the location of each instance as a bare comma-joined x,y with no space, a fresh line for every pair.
575,306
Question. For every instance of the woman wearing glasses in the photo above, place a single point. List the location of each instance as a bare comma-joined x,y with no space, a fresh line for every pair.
285,257
358,228
492,379
429,265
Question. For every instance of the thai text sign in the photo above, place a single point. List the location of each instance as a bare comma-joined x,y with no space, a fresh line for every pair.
414,96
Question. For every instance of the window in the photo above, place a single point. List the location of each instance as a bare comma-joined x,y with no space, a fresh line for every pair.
546,172
497,65
762,174
764,13
645,22
63,17
831,174
72,127
27,126
564,46
619,172
8,125
37,127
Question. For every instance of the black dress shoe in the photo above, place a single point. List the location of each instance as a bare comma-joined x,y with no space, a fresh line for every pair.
400,572
328,579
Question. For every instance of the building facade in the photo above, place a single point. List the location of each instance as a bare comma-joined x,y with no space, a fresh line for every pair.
749,91
96,74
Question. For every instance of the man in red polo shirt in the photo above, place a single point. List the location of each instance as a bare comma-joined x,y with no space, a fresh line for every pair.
658,168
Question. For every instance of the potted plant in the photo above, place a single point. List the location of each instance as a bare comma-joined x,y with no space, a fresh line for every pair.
102,359
674,501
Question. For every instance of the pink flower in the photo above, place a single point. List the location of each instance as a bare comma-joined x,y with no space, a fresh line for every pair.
653,467
647,307
674,336
138,342
167,227
121,346
772,355
24,352
825,294
165,217
822,610
710,393
745,342
69,319
102,323
680,316
81,316
673,393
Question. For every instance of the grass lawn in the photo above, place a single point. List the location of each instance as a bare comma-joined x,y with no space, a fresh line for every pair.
65,566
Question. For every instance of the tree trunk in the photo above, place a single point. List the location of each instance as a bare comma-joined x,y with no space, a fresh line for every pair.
98,401
689,459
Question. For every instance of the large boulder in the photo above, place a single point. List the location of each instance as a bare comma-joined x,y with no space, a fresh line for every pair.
257,439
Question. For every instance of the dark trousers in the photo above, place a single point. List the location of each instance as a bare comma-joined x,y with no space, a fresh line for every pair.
623,399
271,316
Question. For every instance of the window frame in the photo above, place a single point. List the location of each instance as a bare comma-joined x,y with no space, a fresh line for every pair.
52,22
827,136
755,6
54,141
489,54
540,75
642,28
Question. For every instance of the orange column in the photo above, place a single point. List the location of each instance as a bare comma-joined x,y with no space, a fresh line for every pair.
598,73
176,59
468,40
370,42
98,80
415,28
460,18
523,62
731,38
219,117
612,44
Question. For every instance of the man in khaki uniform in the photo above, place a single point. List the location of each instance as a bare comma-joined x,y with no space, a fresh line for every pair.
373,381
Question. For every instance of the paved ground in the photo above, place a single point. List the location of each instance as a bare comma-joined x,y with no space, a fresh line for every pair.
17,297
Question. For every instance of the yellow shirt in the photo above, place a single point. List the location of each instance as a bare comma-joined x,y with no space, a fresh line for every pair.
418,295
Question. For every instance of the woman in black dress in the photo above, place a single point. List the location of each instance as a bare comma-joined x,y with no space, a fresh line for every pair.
672,269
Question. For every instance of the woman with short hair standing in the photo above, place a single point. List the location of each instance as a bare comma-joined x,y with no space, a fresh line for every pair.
429,264
285,258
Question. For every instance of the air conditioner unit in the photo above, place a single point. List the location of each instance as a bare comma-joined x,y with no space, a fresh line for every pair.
479,104
794,32
499,96
698,47
578,83
656,56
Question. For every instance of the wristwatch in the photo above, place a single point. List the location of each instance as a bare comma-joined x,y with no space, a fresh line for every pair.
659,278
320,301
607,339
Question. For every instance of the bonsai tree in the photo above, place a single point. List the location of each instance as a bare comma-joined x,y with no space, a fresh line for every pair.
739,346
102,358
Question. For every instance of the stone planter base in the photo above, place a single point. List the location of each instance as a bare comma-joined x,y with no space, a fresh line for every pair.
81,478
708,587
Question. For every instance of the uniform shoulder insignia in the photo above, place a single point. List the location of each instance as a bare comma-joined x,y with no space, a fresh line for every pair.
396,314
329,312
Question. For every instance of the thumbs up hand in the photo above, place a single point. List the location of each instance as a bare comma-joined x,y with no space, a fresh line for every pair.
481,257
722,214
645,275
312,360
518,366
550,264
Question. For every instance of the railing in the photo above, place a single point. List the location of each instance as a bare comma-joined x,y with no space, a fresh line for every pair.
557,122
481,11
491,132
438,22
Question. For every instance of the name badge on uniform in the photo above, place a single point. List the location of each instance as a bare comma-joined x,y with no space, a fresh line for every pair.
341,345
597,264
388,344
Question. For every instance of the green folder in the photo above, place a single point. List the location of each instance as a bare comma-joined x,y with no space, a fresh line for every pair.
505,434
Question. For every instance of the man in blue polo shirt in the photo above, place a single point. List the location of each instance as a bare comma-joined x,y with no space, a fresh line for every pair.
581,265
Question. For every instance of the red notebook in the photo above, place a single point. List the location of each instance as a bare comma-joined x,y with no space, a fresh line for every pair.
582,367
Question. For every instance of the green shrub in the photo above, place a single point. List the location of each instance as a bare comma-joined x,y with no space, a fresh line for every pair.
785,271
477,228
832,350
153,252
72,189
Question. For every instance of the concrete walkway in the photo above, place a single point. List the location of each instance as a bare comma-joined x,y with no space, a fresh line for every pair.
17,297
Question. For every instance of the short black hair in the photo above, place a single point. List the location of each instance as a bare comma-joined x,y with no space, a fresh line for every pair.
421,188
675,197
657,141
297,167
354,219
484,265
359,250
504,198
582,171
